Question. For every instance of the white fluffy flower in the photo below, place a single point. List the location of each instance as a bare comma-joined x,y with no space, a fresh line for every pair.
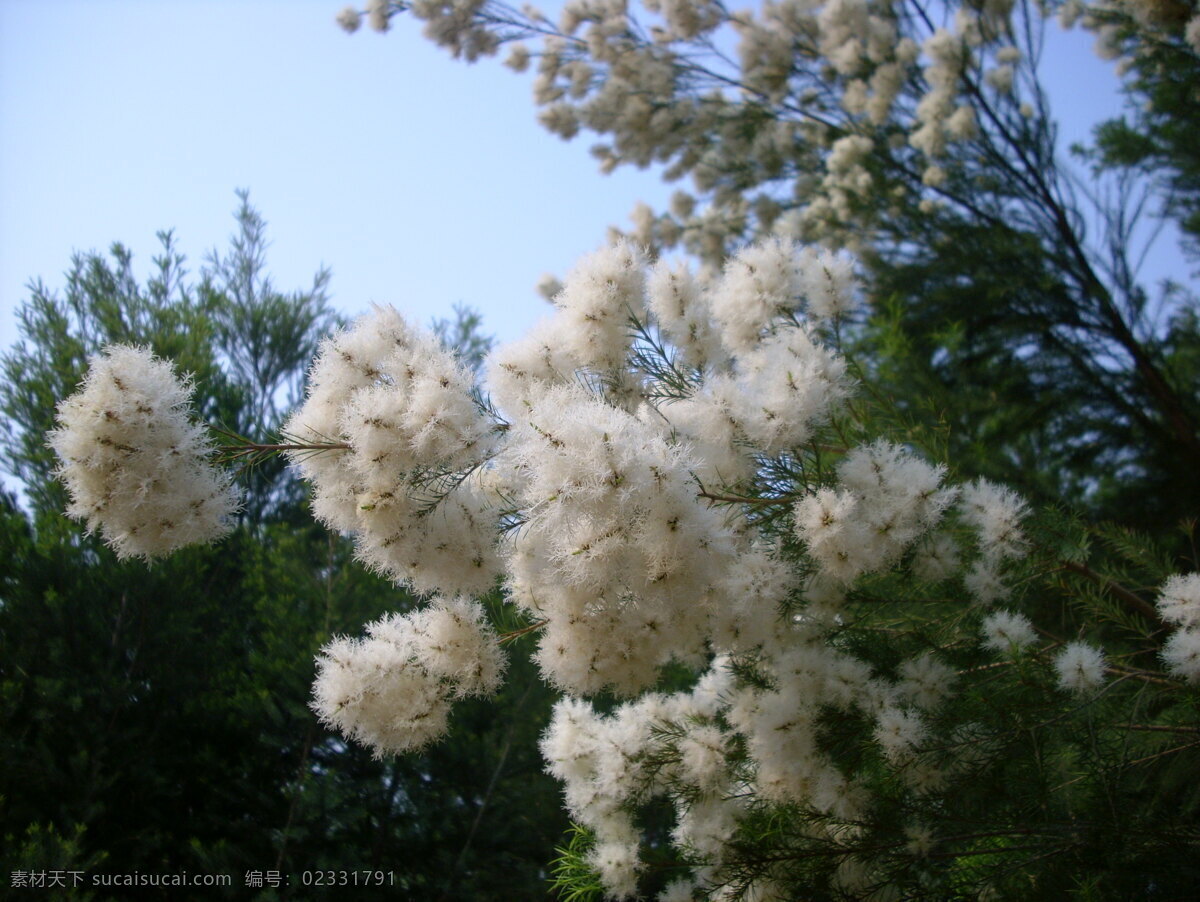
1080,667
702,756
1001,78
391,690
706,826
453,641
888,500
548,286
615,549
786,385
136,468
404,406
518,61
350,19
899,732
519,371
920,840
373,693
995,513
1179,600
1181,654
707,421
758,283
829,284
829,524
1007,632
1192,33
936,558
984,582
617,864
962,125
681,308
680,890
377,15
598,298
925,681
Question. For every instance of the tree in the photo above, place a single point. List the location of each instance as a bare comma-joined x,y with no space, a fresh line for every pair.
801,655
1158,44
1004,281
797,658
158,721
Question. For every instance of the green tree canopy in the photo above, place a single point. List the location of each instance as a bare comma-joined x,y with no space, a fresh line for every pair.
157,721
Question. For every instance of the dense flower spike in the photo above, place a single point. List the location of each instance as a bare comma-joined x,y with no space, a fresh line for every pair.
414,432
828,94
391,691
1179,600
889,500
138,470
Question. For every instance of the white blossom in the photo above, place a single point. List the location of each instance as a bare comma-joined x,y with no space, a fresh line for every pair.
995,513
1179,600
378,15
405,409
1181,654
899,732
136,468
925,681
1080,667
1007,632
758,284
391,690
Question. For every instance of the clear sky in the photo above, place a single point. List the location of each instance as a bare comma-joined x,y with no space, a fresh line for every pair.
417,179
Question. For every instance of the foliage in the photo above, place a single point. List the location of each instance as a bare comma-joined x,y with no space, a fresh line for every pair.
1159,53
464,336
157,721
797,657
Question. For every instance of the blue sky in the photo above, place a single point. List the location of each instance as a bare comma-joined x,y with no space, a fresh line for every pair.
420,181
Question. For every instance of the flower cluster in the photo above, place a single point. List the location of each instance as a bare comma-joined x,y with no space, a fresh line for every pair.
391,691
653,480
404,409
598,470
137,469
833,101
1179,605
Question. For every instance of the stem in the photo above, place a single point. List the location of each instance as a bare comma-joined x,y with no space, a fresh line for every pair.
516,634
310,735
1138,604
1153,727
742,499
487,795
286,446
1143,675
1171,751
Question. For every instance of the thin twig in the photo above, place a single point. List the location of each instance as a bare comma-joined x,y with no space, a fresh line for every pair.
285,446
742,499
1137,603
1153,727
516,634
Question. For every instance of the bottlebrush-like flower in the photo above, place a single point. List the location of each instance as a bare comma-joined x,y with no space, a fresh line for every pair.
392,689
1080,667
136,467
